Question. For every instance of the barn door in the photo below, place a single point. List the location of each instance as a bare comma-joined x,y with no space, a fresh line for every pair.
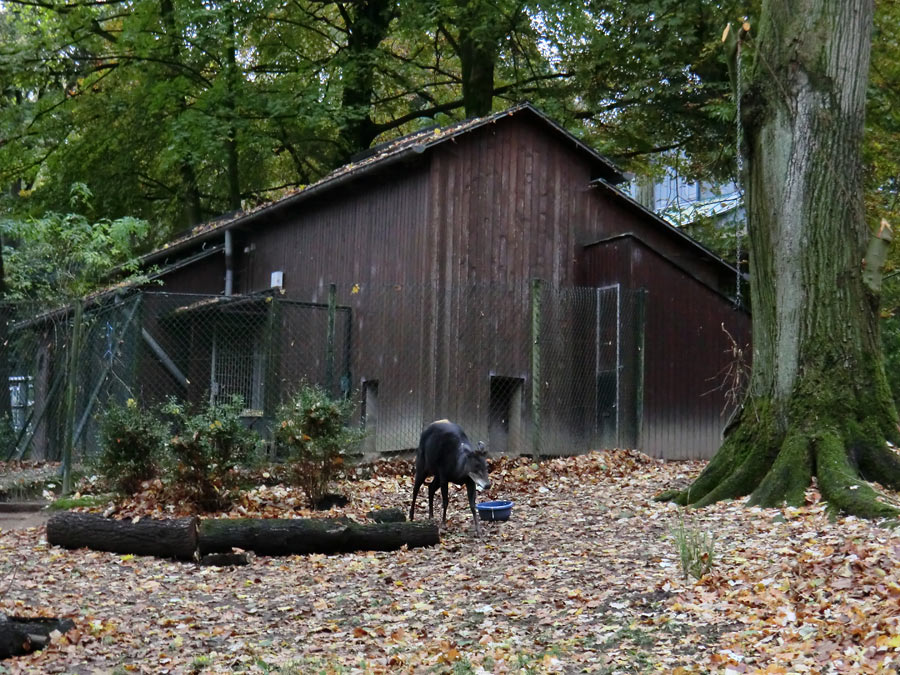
608,365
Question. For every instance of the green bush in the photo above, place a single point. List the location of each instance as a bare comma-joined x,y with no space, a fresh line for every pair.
8,437
312,430
890,340
204,451
131,440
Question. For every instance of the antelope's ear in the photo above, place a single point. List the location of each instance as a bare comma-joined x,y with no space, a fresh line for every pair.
481,449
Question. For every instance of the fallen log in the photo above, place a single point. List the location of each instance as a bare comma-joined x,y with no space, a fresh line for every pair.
174,538
281,536
392,515
24,635
224,559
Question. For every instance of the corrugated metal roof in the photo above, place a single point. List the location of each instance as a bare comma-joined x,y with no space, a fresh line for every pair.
379,157
689,212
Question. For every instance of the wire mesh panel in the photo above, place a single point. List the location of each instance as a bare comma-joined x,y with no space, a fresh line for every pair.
104,366
527,368
590,369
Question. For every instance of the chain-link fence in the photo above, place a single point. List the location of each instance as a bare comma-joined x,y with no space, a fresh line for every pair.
529,369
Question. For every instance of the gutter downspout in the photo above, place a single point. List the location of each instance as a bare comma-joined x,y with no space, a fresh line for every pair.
229,263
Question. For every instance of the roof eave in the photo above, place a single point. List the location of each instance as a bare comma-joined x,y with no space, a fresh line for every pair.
612,174
248,219
607,170
633,203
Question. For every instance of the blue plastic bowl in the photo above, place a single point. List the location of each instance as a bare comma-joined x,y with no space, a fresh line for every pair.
498,510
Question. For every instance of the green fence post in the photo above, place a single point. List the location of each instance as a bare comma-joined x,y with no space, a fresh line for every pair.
71,391
272,394
640,329
348,352
329,340
536,293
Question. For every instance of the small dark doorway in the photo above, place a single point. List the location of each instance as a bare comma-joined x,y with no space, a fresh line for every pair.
369,413
505,415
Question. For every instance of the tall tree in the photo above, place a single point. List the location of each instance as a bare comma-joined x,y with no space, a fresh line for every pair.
477,31
818,403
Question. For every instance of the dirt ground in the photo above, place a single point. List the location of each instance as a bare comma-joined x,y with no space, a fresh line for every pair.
583,578
20,520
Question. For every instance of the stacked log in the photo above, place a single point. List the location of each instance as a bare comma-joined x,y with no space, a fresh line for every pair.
170,538
189,538
291,536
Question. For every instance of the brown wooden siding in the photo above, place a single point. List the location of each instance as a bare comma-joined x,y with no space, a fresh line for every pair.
604,263
475,218
615,214
369,232
686,360
508,206
208,277
686,352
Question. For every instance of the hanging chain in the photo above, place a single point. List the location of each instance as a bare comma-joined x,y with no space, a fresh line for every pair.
739,158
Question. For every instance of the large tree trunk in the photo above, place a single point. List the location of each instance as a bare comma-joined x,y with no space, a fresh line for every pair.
367,25
6,317
188,190
477,61
818,403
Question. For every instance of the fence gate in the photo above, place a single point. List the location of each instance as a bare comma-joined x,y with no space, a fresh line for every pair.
608,366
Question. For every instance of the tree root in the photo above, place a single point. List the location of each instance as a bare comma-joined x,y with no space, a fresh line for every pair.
878,463
738,466
842,486
774,474
790,475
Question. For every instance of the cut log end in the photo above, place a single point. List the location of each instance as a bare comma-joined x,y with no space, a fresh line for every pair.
23,635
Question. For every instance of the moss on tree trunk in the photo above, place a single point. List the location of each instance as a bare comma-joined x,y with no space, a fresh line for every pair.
818,405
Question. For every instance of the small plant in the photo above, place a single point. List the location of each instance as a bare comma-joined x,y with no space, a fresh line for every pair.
204,451
696,550
462,666
312,429
131,439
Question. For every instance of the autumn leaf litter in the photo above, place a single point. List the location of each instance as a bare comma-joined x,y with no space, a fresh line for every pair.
584,577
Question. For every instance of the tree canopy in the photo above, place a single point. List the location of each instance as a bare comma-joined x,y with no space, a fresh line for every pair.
179,110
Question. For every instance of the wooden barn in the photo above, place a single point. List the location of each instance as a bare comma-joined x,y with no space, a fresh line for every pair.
489,272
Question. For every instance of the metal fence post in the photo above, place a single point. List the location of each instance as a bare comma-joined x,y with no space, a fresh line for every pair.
71,391
329,340
536,293
272,393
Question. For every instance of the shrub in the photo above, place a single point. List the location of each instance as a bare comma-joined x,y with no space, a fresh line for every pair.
890,340
312,429
131,440
204,451
8,437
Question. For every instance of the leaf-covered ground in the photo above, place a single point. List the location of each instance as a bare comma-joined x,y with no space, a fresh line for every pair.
583,578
